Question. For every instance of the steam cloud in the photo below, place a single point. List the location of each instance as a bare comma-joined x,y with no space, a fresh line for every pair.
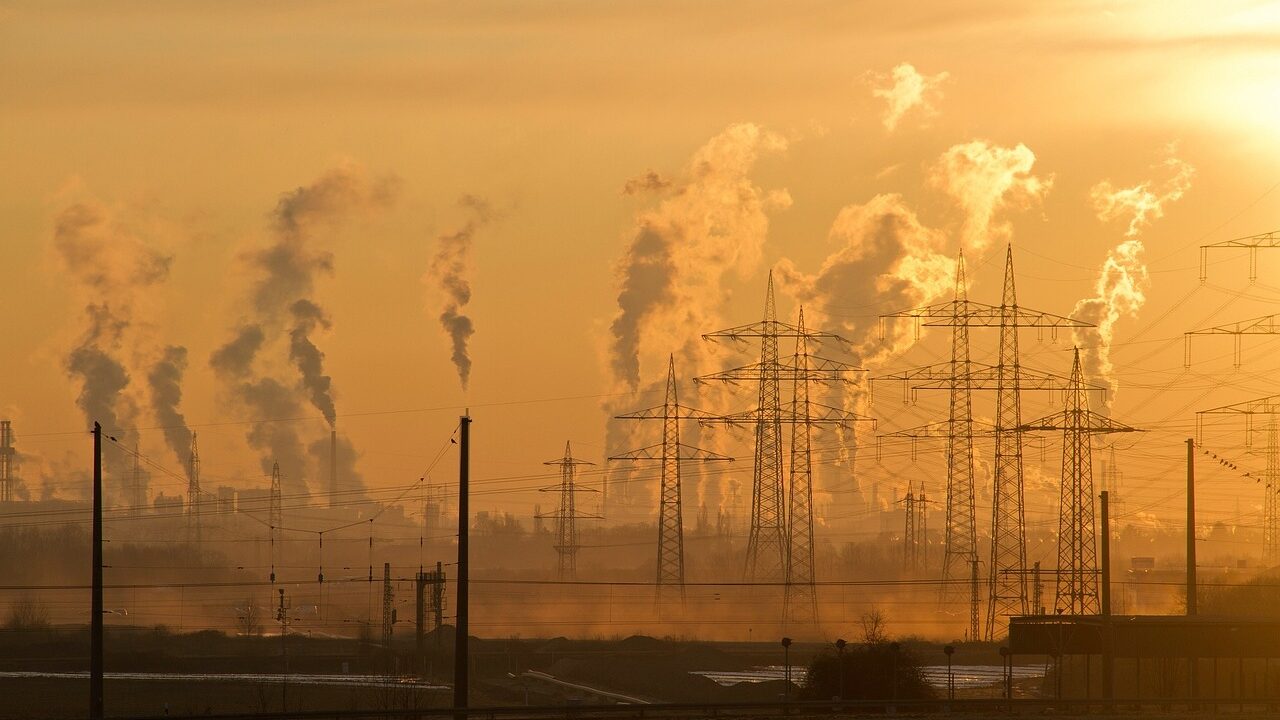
165,379
984,179
670,278
449,271
113,270
905,89
283,297
1120,289
887,259
710,221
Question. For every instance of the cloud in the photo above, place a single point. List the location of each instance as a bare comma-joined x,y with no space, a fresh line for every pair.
983,179
904,89
646,182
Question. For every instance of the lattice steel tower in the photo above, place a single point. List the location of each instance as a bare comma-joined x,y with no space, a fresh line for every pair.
768,544
1269,409
802,414
275,517
1008,582
566,515
670,453
193,490
1077,531
8,462
1007,588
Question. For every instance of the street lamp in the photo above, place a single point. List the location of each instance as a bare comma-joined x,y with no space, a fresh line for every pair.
951,678
786,668
840,643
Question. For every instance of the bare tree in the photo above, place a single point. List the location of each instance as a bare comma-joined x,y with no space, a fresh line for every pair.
249,618
874,627
27,614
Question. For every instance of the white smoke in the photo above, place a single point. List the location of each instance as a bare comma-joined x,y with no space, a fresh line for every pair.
709,221
904,89
984,179
1120,290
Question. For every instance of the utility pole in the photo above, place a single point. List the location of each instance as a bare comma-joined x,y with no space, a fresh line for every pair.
96,709
1108,645
566,516
388,616
461,696
672,454
974,629
785,532
1269,409
1191,527
193,491
1077,592
1193,661
282,617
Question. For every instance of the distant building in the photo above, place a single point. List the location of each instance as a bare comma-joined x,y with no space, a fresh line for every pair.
169,504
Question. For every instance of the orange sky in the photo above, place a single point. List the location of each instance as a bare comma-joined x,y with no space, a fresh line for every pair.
187,122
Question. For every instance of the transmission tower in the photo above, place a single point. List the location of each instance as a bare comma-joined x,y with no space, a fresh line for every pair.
1269,409
780,546
8,462
566,515
274,516
671,453
193,490
768,544
1007,586
1077,534
910,549
1265,325
1254,243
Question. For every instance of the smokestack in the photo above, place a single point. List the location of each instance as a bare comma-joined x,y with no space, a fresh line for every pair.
333,468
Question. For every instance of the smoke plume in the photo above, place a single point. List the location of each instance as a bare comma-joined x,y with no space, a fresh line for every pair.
1120,290
449,270
308,359
113,271
282,302
905,89
984,179
165,379
711,222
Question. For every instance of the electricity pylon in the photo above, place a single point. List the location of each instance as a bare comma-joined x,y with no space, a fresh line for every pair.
275,516
1254,243
794,526
193,490
1077,530
566,515
1007,586
1269,408
1265,325
8,462
767,544
670,452
915,533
